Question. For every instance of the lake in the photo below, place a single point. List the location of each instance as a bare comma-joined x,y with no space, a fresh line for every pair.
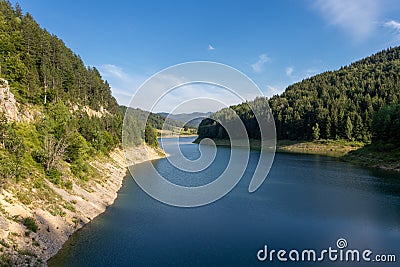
306,202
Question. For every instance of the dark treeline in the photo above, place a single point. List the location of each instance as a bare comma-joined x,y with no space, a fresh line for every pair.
333,105
386,125
211,127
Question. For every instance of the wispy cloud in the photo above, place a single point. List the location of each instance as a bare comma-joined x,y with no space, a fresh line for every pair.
185,97
289,71
311,72
210,47
273,90
394,25
356,17
119,93
259,65
110,70
123,85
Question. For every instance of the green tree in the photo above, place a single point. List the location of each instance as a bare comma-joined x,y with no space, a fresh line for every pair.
315,132
349,129
150,136
386,124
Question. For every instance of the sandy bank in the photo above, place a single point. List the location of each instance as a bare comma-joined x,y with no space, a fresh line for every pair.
84,202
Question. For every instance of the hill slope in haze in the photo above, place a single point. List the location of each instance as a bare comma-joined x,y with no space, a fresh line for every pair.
190,119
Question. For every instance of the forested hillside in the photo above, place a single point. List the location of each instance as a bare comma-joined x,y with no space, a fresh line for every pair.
335,104
340,103
210,127
75,115
60,130
41,69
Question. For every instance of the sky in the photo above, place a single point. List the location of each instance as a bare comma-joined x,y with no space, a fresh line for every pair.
274,43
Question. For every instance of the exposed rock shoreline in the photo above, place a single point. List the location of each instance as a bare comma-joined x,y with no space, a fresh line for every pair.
22,247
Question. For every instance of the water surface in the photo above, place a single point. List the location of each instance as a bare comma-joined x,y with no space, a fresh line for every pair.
307,202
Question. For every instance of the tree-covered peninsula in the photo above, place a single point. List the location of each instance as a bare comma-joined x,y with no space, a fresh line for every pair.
357,104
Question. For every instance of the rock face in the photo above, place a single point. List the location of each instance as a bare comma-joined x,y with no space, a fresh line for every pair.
11,108
15,112
8,104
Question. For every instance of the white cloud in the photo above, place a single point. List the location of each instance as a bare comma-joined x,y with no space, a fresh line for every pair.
275,89
186,97
272,90
259,65
117,93
210,47
112,71
356,17
393,25
123,85
289,71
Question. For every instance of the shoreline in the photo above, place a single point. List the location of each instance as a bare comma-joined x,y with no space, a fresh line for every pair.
178,135
353,152
331,148
82,203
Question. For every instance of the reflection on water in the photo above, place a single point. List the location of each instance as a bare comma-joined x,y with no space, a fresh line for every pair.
307,201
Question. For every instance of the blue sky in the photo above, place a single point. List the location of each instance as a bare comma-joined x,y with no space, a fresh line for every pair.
275,43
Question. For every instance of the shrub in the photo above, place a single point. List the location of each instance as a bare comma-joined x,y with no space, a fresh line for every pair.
68,185
39,156
80,169
4,243
77,149
54,175
26,252
30,224
37,183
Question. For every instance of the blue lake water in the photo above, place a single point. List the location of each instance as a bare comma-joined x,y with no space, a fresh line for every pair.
306,202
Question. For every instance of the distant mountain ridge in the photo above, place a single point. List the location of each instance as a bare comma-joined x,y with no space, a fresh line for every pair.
191,119
156,120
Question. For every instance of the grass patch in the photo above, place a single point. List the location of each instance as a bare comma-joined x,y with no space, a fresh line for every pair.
69,206
56,210
24,198
333,148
